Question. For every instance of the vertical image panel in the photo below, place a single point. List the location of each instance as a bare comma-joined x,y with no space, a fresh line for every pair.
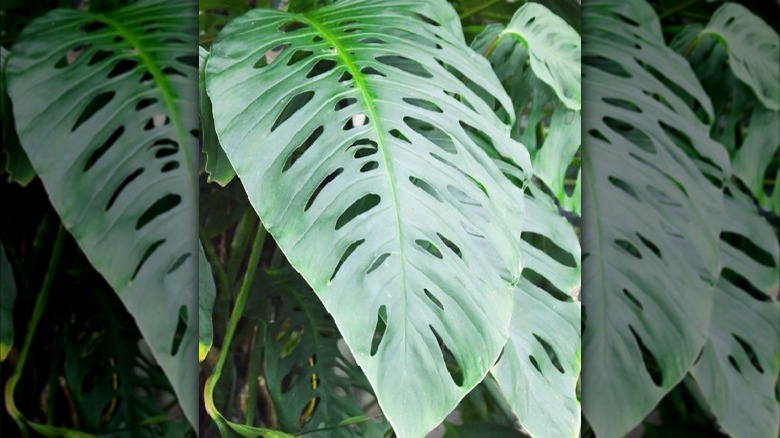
680,220
389,215
100,161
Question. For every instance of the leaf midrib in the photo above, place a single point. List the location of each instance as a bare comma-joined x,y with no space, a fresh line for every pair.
373,118
165,90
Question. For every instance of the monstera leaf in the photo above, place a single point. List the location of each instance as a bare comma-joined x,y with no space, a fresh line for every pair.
542,356
739,365
651,216
357,145
106,109
7,300
311,382
753,50
745,126
546,102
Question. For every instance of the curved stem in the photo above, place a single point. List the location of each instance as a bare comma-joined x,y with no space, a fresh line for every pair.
40,306
235,317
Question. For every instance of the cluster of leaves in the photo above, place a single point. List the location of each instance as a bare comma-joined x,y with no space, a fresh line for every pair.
404,240
99,137
680,189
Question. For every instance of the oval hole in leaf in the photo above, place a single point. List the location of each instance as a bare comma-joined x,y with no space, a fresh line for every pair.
148,253
651,364
293,106
159,208
94,105
379,329
122,67
95,156
362,205
181,327
328,179
628,247
321,67
130,178
347,252
429,247
300,150
448,358
405,64
378,262
424,186
433,299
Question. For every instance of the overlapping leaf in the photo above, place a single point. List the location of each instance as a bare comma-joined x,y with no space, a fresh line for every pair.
651,216
356,146
753,50
540,367
739,365
525,55
106,110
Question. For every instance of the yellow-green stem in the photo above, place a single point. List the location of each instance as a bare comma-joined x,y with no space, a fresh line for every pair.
40,306
235,317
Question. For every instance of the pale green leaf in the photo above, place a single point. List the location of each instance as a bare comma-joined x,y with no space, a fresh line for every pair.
375,188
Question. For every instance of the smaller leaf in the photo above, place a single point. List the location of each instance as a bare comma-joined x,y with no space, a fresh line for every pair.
754,50
542,356
739,365
554,49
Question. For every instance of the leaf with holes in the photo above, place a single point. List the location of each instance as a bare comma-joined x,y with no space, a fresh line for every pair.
753,50
357,145
311,381
106,109
553,50
747,129
207,292
16,164
542,356
739,365
651,216
7,300
547,125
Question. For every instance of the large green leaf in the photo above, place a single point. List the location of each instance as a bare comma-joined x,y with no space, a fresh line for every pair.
7,300
357,147
650,217
540,367
312,383
739,365
207,292
753,49
106,109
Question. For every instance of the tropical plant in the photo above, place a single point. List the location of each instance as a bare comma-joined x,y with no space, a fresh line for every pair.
679,179
404,241
101,108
